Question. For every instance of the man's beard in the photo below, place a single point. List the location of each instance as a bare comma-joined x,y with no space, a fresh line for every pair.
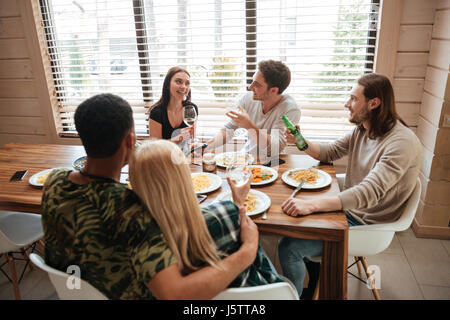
362,116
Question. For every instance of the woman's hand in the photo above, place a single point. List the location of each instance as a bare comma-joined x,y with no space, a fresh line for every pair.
187,132
249,234
239,193
177,139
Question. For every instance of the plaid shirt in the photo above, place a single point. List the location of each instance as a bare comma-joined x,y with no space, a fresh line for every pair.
222,219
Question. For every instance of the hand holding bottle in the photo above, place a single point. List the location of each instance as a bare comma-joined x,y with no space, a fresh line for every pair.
299,141
289,136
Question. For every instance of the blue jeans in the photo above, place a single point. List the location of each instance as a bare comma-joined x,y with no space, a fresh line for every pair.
292,251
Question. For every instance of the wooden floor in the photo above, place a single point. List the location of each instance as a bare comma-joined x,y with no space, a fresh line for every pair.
411,269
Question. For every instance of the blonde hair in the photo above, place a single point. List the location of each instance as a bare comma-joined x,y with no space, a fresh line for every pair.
165,186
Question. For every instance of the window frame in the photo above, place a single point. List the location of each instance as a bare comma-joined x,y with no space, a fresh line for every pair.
386,50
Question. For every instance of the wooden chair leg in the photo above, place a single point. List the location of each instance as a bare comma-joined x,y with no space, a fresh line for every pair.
374,290
12,269
25,254
358,264
316,291
41,246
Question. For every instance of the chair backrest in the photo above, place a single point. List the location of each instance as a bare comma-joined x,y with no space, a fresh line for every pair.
6,245
367,240
59,281
410,210
19,229
273,291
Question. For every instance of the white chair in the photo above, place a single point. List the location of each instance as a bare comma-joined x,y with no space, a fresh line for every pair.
59,281
18,231
273,291
369,240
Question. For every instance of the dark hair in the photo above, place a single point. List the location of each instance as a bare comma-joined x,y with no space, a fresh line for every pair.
165,97
102,122
276,74
384,117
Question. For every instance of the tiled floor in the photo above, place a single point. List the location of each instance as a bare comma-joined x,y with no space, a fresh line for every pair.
411,269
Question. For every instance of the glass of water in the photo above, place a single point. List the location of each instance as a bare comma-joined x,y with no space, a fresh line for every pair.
239,174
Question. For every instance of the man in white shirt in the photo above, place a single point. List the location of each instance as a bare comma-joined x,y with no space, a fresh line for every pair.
260,110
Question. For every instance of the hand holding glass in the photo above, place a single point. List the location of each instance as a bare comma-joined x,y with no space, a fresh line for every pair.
239,174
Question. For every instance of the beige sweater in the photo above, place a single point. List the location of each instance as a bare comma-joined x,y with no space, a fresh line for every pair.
381,173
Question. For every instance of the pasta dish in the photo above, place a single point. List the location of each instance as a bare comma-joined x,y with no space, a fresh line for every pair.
250,202
200,182
229,159
42,178
310,175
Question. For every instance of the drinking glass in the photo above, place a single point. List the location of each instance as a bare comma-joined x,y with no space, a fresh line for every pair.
238,173
189,115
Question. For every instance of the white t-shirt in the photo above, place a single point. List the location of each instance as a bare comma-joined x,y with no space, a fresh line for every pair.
271,121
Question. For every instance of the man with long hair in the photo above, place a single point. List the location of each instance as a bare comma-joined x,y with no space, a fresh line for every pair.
93,221
384,159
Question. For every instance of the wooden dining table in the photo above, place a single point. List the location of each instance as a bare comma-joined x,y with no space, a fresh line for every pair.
330,227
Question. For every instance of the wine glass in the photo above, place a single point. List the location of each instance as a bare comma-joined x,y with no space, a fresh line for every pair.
189,115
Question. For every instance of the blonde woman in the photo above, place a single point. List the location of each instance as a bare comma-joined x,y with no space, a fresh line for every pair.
196,236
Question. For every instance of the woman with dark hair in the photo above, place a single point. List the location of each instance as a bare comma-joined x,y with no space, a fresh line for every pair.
166,115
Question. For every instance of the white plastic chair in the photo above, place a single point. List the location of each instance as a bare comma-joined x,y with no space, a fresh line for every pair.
18,231
273,291
369,240
59,281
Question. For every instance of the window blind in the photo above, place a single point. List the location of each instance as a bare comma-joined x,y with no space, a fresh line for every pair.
125,47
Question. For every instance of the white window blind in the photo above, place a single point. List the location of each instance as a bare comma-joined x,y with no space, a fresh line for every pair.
126,47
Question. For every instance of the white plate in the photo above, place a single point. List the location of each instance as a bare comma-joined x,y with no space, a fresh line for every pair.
323,180
264,168
262,202
225,159
79,163
33,179
216,182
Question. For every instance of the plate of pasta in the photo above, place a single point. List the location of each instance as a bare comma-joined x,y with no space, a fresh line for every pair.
226,159
205,182
39,178
257,202
314,178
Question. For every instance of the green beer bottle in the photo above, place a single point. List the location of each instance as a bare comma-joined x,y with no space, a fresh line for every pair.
300,142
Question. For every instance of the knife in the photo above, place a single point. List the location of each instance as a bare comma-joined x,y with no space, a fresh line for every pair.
300,185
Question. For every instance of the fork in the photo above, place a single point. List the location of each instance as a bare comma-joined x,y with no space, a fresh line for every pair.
300,185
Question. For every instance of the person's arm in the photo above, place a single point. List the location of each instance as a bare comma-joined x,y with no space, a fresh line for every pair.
155,129
299,207
209,281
